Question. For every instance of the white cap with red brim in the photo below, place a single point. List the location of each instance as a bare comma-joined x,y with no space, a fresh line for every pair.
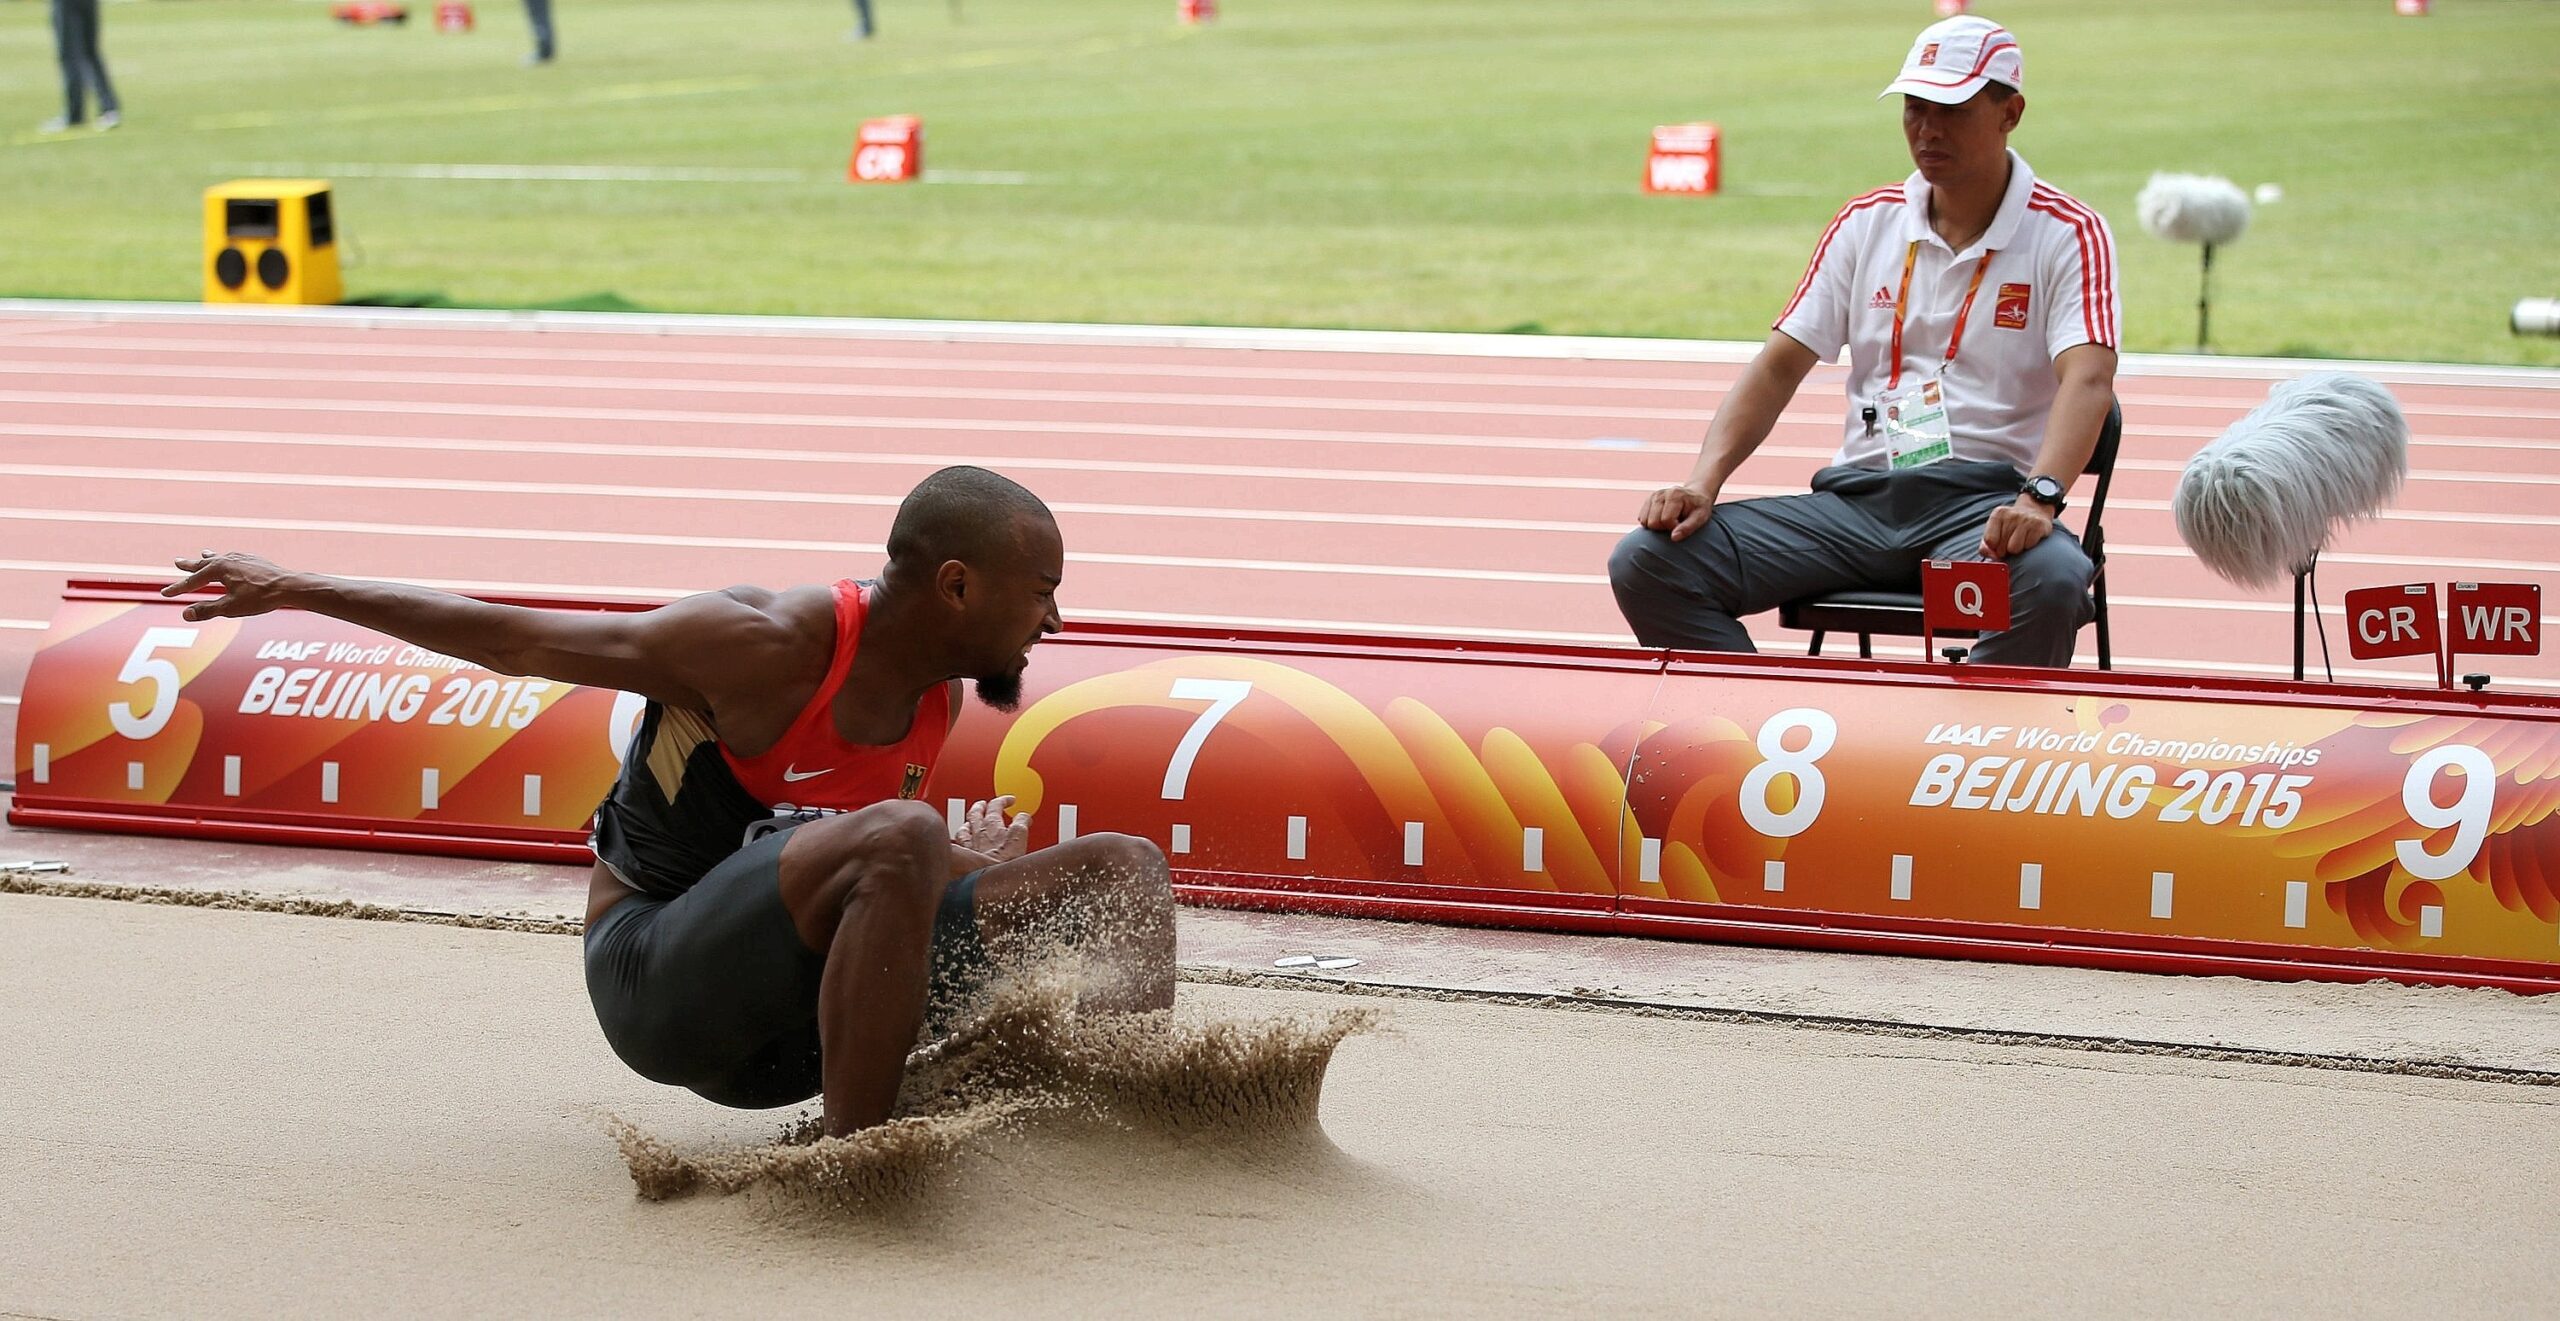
1954,58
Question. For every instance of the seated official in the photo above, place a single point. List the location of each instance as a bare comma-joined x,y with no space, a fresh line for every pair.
1979,309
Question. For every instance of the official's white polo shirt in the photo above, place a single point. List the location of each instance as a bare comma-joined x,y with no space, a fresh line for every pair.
2051,284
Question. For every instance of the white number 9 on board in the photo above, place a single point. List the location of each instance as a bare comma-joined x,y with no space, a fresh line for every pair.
1821,731
2468,814
163,677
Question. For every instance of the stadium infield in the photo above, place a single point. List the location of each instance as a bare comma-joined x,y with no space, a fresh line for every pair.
1438,164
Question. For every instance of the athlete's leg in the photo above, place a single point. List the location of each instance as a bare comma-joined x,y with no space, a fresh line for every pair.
1109,896
863,887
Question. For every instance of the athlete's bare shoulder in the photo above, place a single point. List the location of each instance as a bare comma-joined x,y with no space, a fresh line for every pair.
743,642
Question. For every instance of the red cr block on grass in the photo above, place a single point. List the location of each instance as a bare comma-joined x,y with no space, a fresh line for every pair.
888,150
1686,158
453,16
1197,11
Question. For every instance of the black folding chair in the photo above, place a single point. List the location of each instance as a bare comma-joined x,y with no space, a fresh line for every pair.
1897,614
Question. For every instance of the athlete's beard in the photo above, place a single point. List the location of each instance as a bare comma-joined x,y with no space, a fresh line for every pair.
1001,691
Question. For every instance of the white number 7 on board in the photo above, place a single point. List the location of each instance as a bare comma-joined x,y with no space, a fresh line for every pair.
1222,695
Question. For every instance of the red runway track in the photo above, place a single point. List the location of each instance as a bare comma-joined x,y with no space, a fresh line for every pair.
1408,493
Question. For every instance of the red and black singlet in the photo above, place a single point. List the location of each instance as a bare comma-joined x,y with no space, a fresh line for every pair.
684,801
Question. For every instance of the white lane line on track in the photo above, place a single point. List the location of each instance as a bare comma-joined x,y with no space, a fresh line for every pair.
130,518
1132,398
1708,390
596,173
719,495
1365,439
1824,422
1371,342
1372,477
845,390
342,349
1320,568
36,624
862,500
1789,644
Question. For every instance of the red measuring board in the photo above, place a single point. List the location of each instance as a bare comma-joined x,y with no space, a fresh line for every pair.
2099,819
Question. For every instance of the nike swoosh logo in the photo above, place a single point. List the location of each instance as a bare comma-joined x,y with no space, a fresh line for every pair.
794,775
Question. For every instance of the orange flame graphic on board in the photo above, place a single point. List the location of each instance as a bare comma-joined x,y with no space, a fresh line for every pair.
2356,841
1474,803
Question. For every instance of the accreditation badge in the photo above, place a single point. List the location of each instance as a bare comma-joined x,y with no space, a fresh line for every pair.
1913,422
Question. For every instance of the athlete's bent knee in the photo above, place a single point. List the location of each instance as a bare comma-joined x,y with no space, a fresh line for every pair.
898,844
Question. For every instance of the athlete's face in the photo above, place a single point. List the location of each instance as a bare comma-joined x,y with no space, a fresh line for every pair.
1951,143
1015,608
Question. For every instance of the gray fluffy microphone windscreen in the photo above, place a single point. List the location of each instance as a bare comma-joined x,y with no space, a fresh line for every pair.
2264,497
2193,208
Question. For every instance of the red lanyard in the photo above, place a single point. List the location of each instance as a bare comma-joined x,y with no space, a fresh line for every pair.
1955,338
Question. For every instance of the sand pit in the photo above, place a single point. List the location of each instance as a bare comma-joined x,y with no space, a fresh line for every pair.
1024,1065
228,1113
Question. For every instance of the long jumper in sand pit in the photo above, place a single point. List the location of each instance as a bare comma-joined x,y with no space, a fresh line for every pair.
756,965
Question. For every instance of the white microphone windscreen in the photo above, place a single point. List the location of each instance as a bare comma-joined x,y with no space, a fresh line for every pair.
2266,495
2193,208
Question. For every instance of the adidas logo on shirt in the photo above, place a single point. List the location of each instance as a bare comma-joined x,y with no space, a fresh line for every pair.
1883,301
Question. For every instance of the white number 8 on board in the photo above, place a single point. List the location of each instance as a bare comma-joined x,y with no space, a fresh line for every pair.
1821,731
2468,815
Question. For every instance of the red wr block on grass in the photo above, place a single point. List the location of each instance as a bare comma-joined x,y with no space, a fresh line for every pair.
888,150
453,16
1197,11
366,13
2409,8
1686,158
2383,622
2495,619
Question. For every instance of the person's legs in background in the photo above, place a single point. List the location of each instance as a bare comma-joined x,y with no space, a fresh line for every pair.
538,13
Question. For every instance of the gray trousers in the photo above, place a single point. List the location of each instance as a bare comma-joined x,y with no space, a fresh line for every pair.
84,71
538,13
1859,528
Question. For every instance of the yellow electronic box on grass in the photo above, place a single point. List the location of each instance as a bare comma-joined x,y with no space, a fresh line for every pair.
270,241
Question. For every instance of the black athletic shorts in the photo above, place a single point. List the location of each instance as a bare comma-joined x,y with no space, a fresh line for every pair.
714,992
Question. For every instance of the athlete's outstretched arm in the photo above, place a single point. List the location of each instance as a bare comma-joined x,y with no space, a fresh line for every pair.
680,653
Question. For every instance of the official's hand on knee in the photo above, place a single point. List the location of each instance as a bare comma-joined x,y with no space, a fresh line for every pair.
986,829
1678,510
2016,528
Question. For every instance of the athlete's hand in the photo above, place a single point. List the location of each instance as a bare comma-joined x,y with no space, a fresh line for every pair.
250,586
1678,510
987,830
2015,528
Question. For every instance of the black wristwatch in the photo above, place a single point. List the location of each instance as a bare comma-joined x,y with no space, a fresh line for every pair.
2046,491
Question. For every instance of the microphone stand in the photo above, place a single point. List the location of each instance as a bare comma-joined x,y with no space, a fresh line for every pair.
2204,342
2302,614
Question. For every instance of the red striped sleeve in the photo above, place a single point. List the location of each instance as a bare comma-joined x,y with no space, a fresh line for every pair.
2102,241
2097,262
1856,205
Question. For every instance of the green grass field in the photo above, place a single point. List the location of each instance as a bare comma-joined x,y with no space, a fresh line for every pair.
1414,164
